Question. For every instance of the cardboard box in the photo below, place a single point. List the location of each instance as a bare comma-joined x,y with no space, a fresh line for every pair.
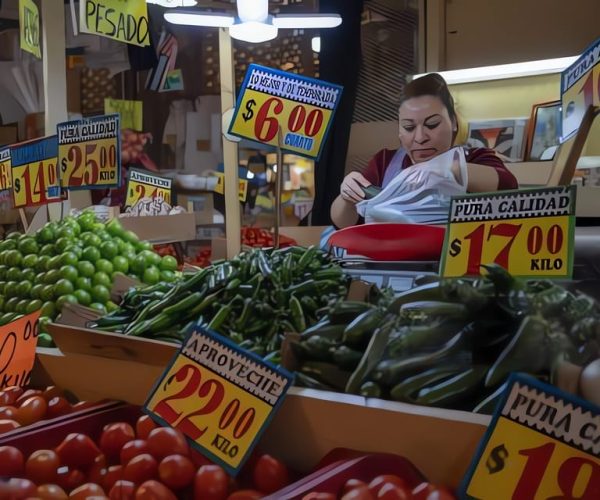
162,228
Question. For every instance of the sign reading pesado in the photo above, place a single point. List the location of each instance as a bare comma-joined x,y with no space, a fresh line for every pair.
125,21
528,232
219,395
542,443
29,27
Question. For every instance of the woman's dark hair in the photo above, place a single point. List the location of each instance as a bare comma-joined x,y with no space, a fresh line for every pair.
431,84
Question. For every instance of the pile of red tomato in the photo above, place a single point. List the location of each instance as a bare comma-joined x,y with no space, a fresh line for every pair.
257,237
384,487
147,462
19,407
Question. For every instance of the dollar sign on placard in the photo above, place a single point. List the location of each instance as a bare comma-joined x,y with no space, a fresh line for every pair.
17,185
455,247
496,459
249,113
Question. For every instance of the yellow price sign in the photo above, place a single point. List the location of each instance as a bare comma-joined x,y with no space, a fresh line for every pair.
89,153
34,171
528,232
301,107
220,396
542,444
29,27
580,88
5,169
145,184
130,112
242,187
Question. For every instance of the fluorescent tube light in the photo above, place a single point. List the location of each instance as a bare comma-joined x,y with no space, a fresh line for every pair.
196,18
294,21
499,72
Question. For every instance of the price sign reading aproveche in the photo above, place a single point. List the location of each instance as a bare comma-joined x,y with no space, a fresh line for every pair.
220,396
528,232
302,107
579,89
5,169
17,350
145,184
89,153
542,444
242,187
34,170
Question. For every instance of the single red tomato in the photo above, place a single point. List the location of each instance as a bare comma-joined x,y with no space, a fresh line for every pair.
211,483
122,490
359,493
132,449
440,493
9,395
41,466
87,490
391,491
7,425
164,441
31,410
114,437
141,468
51,392
113,474
378,482
8,412
51,492
12,462
351,484
153,490
144,426
97,471
269,474
69,479
316,495
29,393
422,490
77,450
250,495
17,489
176,471
57,407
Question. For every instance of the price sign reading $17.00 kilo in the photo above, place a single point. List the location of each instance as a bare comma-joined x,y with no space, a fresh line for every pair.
220,396
89,152
542,444
34,170
528,232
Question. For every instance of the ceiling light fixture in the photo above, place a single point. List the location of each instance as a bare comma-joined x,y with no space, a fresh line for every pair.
253,22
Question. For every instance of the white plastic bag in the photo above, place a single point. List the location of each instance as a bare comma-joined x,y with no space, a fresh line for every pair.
420,193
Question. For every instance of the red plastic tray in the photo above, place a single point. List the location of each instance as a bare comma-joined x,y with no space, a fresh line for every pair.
391,242
331,478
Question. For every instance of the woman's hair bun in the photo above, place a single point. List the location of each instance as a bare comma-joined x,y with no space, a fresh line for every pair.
431,84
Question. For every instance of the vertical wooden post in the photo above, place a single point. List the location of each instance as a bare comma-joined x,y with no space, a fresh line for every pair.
230,148
278,186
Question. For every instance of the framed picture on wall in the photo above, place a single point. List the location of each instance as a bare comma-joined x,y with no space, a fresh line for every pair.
505,136
543,135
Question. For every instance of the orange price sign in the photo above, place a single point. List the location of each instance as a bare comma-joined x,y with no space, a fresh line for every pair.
302,107
89,153
528,232
5,169
17,350
542,444
220,396
34,170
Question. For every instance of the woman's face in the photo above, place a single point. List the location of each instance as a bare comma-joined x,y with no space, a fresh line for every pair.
425,127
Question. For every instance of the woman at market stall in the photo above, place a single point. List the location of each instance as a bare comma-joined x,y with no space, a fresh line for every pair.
428,128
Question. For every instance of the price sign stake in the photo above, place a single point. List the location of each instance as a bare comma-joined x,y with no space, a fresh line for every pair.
17,350
89,153
34,172
220,396
145,184
528,232
542,443
272,99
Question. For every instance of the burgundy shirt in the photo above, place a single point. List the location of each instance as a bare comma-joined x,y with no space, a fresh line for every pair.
482,156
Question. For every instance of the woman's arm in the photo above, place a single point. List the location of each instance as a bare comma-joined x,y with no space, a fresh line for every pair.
343,213
481,178
487,172
343,209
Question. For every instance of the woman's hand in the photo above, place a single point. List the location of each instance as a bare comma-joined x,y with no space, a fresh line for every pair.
351,188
